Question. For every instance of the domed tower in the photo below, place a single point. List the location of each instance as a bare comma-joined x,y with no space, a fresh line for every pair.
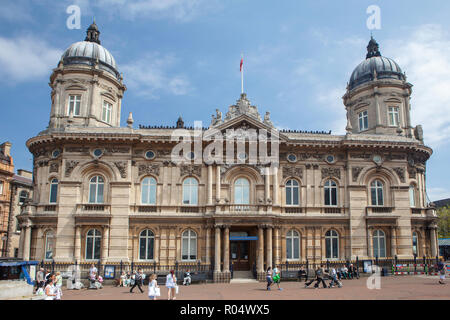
378,96
87,88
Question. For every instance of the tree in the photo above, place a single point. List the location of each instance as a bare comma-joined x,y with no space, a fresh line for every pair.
444,222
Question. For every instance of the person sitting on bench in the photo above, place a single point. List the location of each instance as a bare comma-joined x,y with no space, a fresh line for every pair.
187,278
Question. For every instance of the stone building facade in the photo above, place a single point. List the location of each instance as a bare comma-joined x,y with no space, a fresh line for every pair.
109,193
6,174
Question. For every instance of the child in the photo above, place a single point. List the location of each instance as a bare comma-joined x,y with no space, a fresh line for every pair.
123,280
153,288
269,278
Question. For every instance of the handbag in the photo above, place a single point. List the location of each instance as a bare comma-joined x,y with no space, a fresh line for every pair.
176,289
157,292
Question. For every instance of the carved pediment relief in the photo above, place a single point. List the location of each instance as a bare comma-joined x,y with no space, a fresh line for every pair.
108,95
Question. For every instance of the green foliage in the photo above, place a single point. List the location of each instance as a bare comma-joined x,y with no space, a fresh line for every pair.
444,222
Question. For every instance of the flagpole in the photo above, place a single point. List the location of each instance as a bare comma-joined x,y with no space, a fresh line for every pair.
242,74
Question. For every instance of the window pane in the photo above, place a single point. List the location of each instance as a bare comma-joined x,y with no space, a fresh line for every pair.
152,196
373,195
142,248
296,248
288,248
53,192
150,242
334,196
335,248
193,249
380,196
144,193
382,247
185,248
194,195
295,196
100,193
328,247
97,248
375,247
89,247
412,197
327,196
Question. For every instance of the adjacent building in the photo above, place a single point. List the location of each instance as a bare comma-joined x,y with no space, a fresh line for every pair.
108,193
6,175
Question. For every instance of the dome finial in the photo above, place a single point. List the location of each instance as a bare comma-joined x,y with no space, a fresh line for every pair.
92,33
372,48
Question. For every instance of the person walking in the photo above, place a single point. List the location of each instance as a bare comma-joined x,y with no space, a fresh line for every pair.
334,280
153,288
276,276
50,290
441,269
58,286
171,282
269,278
40,280
137,281
187,278
308,283
320,275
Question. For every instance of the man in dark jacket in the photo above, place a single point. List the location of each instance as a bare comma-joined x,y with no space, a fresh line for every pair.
320,273
137,281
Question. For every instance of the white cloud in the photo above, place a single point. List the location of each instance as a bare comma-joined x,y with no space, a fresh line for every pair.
435,194
150,76
179,10
26,58
425,57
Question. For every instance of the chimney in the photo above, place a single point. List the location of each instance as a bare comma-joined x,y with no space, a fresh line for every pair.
6,148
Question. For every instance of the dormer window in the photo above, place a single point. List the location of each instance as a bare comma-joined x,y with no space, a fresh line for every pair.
106,112
74,105
394,119
363,120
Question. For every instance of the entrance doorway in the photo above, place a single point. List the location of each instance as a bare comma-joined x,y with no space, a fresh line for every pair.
239,251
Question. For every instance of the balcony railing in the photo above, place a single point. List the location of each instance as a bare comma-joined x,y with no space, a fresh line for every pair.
190,209
332,210
293,210
416,210
94,207
50,208
147,209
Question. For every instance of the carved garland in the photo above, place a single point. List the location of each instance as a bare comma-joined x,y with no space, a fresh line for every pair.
122,166
400,172
149,169
70,165
355,172
191,170
292,172
331,172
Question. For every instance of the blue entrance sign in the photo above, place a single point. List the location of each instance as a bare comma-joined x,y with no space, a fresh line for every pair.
236,238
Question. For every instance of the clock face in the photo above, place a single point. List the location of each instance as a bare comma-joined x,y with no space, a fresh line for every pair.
292,157
377,158
330,159
98,152
150,154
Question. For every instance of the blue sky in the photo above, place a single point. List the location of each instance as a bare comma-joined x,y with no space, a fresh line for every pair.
181,57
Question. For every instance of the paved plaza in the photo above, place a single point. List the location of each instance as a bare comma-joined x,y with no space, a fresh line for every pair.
392,288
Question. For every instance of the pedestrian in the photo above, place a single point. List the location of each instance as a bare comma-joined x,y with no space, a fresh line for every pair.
269,277
334,280
441,269
123,279
171,282
137,281
50,290
153,288
276,276
308,283
47,275
58,286
187,278
320,272
40,280
92,276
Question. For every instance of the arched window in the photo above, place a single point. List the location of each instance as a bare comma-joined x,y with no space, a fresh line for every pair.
189,245
148,191
412,196
379,244
293,245
53,191
376,193
49,244
330,193
93,244
332,244
190,191
292,193
146,245
241,191
415,242
23,196
96,189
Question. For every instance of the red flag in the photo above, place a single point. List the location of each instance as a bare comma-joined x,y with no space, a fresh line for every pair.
242,62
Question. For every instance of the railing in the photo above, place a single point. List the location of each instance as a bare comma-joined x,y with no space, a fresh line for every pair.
190,209
416,210
332,210
147,209
50,208
374,209
293,210
94,207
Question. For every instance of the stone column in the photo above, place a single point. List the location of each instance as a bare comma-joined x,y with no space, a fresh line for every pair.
277,245
267,184
217,251
260,254
156,252
210,193
226,249
77,249
218,185
105,243
393,241
433,241
207,245
26,243
21,242
275,185
269,246
369,244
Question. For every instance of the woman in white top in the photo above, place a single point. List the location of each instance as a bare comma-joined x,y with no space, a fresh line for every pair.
58,285
171,282
152,285
50,290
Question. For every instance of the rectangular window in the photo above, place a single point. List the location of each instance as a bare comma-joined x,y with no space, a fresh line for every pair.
1,187
106,112
288,248
394,116
363,120
296,248
185,246
74,105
